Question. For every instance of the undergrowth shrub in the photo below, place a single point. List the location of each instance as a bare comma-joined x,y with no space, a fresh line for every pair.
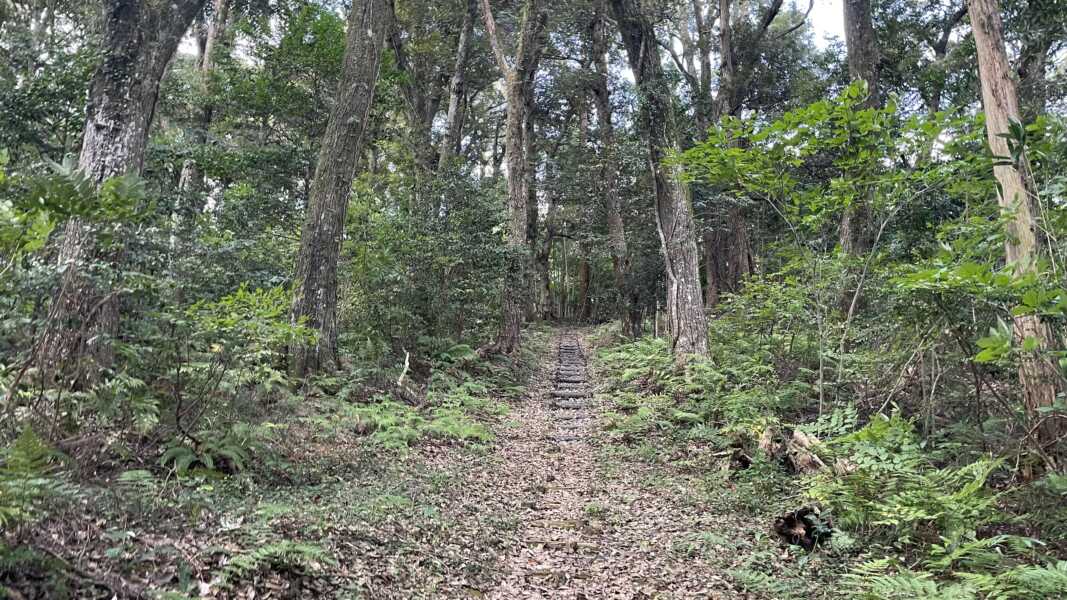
28,481
884,484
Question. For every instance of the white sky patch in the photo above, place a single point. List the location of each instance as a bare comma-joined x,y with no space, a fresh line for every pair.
828,20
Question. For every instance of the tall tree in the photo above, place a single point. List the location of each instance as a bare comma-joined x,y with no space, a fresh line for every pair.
1001,103
212,32
862,65
139,40
674,212
518,84
457,87
315,299
599,44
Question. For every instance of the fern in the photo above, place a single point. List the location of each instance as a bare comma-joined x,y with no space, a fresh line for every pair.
27,481
282,554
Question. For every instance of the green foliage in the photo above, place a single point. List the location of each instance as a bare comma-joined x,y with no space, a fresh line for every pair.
395,425
27,480
228,451
878,580
285,554
885,483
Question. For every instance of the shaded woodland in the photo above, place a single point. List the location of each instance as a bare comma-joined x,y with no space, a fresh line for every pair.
257,255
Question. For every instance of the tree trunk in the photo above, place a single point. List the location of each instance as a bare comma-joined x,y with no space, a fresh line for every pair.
705,110
1001,103
191,180
518,81
315,299
711,269
457,89
584,308
862,46
530,134
741,266
620,258
674,214
862,65
545,305
422,91
138,43
1033,86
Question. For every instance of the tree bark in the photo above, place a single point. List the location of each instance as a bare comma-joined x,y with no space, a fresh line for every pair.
138,43
862,65
626,308
862,47
518,80
712,269
674,213
422,90
1033,86
583,309
457,89
191,179
546,308
741,265
530,133
1001,103
315,298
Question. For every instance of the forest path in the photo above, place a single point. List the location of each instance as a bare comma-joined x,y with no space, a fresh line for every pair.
591,527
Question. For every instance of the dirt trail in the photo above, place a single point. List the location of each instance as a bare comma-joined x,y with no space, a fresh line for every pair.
586,531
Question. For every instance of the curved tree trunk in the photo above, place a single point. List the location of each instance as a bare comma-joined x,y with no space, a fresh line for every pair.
674,214
315,300
1001,103
138,43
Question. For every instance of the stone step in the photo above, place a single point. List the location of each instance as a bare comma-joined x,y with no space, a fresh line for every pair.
564,416
583,390
570,404
571,394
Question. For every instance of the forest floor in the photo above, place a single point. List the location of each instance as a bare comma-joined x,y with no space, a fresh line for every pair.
554,507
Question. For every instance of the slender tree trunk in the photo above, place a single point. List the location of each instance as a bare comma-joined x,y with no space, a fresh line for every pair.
584,308
741,264
518,80
457,89
674,213
711,269
862,65
422,91
725,98
532,216
705,110
1001,103
545,305
1033,87
620,257
315,299
138,43
191,180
